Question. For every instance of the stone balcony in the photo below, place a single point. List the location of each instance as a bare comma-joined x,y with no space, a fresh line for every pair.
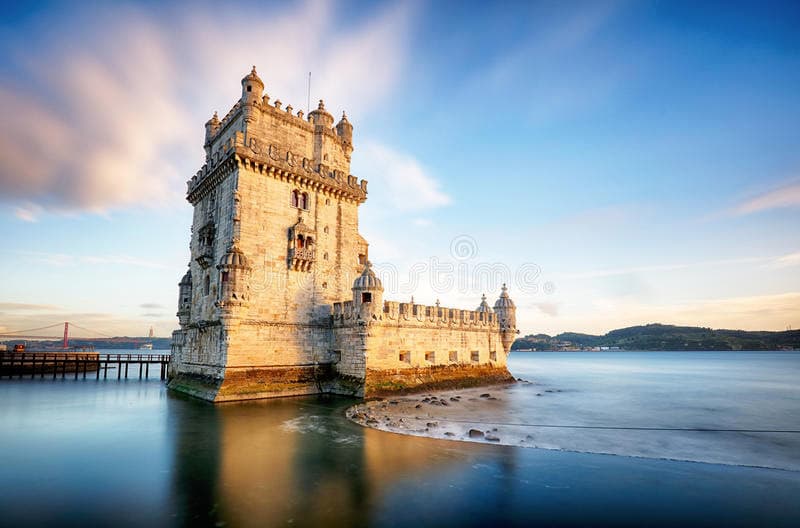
301,259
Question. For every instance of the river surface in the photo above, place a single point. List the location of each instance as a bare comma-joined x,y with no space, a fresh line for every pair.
128,453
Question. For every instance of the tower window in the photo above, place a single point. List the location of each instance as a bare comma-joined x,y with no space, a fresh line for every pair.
453,356
493,355
366,297
476,356
207,285
300,242
249,88
299,199
405,356
430,357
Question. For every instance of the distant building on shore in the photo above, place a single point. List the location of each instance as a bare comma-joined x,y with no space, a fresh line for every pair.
280,297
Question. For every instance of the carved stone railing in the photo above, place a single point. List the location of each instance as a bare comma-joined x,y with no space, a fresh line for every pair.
301,259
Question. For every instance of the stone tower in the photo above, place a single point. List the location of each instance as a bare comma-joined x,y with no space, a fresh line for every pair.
280,298
274,243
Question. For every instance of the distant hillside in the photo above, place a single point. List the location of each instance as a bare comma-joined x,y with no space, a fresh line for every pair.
664,337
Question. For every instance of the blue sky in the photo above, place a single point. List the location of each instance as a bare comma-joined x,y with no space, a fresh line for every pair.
617,163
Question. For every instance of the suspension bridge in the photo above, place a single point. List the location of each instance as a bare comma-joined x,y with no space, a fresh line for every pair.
74,361
53,332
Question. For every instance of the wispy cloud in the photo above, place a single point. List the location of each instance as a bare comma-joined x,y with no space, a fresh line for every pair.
28,212
401,182
151,305
548,308
112,116
27,307
63,259
627,270
785,261
782,197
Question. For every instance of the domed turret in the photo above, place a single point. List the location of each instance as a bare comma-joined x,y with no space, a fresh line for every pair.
344,129
185,299
368,291
507,317
484,306
233,269
320,116
212,127
367,280
233,259
252,87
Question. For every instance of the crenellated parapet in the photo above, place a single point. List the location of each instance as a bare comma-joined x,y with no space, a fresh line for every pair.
346,313
276,162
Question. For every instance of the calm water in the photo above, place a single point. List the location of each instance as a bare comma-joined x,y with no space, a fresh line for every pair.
130,454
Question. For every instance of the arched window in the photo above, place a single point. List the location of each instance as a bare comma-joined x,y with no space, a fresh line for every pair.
304,201
309,241
300,242
295,198
207,285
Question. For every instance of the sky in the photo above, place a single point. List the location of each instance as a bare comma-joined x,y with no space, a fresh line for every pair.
616,163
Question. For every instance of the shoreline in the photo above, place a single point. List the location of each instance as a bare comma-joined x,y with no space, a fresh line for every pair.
486,415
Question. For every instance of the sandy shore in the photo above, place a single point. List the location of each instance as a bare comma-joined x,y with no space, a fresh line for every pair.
455,415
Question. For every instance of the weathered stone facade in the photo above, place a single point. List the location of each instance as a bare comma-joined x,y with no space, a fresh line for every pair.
279,298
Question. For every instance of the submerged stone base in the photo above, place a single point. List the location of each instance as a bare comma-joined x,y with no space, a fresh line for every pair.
408,380
257,383
276,382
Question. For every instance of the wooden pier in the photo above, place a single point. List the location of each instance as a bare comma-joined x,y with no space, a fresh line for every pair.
53,365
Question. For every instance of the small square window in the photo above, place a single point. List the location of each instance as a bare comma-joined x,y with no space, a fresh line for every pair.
336,356
405,356
366,297
430,357
453,356
476,356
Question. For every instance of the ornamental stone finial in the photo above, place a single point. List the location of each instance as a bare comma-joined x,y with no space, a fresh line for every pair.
321,105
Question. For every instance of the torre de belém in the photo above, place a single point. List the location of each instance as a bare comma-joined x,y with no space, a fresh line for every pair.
280,298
